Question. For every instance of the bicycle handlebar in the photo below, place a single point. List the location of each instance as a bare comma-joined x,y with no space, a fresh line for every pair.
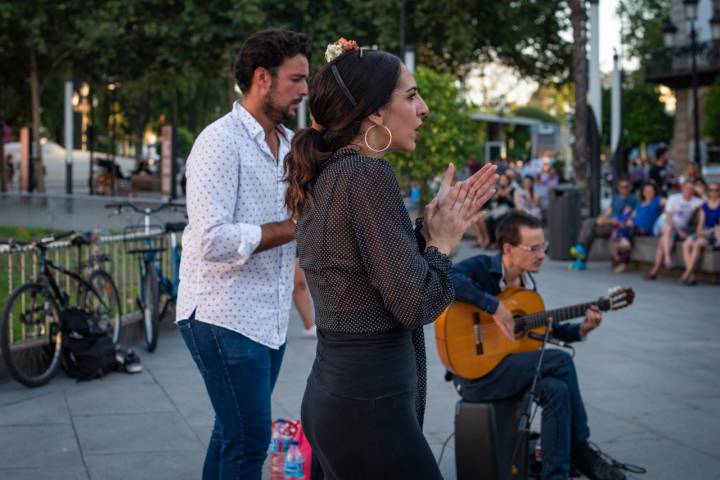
43,242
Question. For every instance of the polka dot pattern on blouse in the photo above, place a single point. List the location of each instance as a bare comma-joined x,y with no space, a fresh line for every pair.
362,259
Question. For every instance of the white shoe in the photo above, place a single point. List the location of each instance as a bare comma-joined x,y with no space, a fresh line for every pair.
310,332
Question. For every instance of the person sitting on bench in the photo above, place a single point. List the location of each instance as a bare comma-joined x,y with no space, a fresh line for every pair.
565,431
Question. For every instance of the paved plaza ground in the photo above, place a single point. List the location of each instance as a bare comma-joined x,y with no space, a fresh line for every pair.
648,376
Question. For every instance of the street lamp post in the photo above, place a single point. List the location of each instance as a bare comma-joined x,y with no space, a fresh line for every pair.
669,31
691,14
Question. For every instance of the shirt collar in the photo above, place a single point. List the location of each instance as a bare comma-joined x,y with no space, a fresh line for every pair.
497,267
251,124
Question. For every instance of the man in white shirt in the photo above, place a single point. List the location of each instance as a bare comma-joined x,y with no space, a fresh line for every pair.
678,210
236,277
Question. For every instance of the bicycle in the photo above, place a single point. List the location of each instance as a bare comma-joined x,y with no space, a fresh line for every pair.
31,329
153,282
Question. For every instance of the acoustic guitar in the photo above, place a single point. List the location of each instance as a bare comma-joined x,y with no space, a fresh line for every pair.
471,344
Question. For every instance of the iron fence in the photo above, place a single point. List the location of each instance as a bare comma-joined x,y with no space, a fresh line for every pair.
19,265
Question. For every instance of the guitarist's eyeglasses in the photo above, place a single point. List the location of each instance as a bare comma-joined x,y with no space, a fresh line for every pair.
541,247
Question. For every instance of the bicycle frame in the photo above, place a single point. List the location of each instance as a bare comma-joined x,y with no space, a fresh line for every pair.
46,266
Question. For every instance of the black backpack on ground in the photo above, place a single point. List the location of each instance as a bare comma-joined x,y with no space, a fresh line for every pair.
88,351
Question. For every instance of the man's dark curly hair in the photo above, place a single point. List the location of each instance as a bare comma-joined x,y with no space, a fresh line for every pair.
268,49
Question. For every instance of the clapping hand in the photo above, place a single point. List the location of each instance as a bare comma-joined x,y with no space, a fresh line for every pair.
457,206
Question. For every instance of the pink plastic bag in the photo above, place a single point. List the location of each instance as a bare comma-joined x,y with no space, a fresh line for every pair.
294,428
305,448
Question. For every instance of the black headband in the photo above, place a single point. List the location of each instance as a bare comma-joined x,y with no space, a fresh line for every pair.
343,87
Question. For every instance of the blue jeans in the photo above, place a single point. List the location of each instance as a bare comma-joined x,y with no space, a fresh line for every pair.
564,420
239,376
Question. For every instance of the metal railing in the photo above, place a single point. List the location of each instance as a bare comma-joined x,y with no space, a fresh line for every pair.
661,62
20,265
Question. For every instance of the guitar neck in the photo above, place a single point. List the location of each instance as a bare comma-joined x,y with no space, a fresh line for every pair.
540,319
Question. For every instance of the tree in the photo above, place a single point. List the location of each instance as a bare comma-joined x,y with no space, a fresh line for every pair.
446,136
644,119
453,34
644,19
158,50
41,38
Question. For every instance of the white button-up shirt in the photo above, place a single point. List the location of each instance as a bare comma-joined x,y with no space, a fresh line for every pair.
234,185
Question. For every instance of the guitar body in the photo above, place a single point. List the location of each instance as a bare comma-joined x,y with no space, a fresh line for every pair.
457,329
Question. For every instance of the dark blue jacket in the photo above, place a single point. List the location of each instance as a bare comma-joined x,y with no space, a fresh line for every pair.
477,281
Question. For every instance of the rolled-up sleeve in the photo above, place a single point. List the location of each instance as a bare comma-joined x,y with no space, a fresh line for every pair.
213,177
415,287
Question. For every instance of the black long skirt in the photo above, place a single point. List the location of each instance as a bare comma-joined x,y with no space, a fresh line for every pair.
358,410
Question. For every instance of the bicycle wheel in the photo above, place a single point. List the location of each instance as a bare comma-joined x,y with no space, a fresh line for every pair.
30,335
151,306
105,305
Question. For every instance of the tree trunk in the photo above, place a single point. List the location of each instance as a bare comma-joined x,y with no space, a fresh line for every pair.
578,19
36,161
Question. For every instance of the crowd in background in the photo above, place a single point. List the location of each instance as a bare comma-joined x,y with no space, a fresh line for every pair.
650,201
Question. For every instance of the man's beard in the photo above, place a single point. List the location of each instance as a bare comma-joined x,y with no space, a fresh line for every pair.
277,113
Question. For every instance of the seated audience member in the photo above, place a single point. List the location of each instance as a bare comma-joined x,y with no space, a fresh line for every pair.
701,189
662,173
637,173
691,171
678,210
602,225
708,233
527,199
565,433
499,206
640,223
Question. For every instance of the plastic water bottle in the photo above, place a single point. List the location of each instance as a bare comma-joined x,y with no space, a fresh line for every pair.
294,463
278,449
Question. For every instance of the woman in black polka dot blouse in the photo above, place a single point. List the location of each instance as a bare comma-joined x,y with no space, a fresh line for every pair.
374,280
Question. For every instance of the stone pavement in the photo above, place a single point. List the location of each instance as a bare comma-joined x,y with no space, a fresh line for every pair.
648,376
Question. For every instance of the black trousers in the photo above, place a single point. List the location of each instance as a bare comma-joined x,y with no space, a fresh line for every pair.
358,411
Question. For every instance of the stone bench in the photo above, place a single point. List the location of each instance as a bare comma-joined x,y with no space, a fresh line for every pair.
643,257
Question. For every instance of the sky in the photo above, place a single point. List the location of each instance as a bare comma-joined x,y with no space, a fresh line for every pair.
609,33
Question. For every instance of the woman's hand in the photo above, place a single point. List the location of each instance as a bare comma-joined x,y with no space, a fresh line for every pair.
457,206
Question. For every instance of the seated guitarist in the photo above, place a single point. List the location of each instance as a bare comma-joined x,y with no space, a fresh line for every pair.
565,429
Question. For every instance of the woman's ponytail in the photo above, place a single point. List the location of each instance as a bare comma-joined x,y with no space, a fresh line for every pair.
301,166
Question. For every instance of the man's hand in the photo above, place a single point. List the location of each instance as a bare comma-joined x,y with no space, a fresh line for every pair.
593,318
505,321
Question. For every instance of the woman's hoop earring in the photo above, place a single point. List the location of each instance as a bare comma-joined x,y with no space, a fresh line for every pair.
374,149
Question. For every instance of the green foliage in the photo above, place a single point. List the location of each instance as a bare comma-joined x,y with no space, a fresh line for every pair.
711,122
643,116
448,134
183,142
453,34
643,21
172,58
535,112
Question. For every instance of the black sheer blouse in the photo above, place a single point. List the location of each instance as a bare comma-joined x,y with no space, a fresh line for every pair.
367,269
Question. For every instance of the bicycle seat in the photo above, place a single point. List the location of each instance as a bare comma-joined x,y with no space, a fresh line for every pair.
81,239
175,226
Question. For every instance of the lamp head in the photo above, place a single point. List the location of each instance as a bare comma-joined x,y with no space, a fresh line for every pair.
690,9
669,30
